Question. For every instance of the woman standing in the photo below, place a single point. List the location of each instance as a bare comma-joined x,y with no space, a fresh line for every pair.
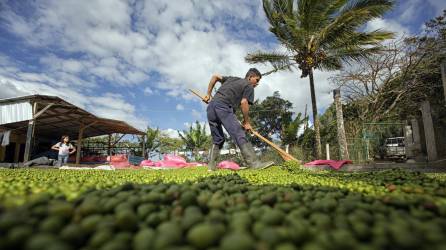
65,148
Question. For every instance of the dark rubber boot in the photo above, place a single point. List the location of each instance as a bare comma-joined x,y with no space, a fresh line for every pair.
213,157
251,158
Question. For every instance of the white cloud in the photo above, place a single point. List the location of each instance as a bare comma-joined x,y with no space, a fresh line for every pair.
172,133
109,105
10,90
118,42
179,107
148,91
387,25
202,124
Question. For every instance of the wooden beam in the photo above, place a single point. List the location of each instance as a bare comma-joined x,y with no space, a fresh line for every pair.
43,110
114,144
109,145
79,144
29,136
57,114
52,123
144,146
91,124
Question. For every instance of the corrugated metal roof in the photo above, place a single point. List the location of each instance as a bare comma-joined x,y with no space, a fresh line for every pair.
15,112
61,118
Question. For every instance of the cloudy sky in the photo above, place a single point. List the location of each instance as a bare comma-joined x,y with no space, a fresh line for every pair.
134,60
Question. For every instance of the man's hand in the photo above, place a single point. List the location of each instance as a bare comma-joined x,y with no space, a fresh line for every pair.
207,98
247,126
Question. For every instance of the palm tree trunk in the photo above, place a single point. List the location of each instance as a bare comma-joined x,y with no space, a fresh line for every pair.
315,117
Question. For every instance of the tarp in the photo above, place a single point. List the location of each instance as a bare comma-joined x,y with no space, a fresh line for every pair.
119,161
102,167
332,163
169,162
228,165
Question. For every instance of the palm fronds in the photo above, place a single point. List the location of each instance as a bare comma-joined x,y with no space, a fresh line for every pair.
195,138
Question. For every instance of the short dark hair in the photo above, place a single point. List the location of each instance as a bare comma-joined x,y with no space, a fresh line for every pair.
253,72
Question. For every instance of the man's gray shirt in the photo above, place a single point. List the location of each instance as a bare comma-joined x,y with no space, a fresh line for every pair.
233,90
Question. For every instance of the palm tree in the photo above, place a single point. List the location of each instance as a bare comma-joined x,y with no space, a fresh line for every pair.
152,140
289,131
321,34
196,138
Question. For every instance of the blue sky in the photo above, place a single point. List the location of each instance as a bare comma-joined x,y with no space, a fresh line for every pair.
134,60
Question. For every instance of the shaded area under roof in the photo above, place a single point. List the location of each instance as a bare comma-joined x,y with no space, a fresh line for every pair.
63,118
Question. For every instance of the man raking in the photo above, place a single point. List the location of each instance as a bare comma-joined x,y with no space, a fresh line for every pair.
234,92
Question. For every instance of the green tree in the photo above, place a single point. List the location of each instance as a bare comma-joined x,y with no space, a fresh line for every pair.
270,115
289,131
169,144
321,34
152,140
195,139
328,130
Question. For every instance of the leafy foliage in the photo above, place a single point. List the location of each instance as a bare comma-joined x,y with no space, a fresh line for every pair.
273,118
152,140
196,138
169,145
389,87
289,135
321,35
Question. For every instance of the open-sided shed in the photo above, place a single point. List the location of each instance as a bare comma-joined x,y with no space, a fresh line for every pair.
50,117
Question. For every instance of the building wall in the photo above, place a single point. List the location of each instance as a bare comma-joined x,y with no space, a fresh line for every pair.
19,141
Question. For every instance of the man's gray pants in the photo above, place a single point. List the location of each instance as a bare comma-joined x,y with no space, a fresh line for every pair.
222,115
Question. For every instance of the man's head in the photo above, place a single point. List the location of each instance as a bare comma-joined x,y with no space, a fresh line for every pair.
253,76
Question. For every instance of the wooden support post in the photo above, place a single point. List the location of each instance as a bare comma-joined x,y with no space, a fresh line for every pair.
342,140
79,143
443,76
109,145
82,128
144,146
29,136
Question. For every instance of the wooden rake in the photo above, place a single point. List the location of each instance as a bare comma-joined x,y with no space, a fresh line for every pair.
282,153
